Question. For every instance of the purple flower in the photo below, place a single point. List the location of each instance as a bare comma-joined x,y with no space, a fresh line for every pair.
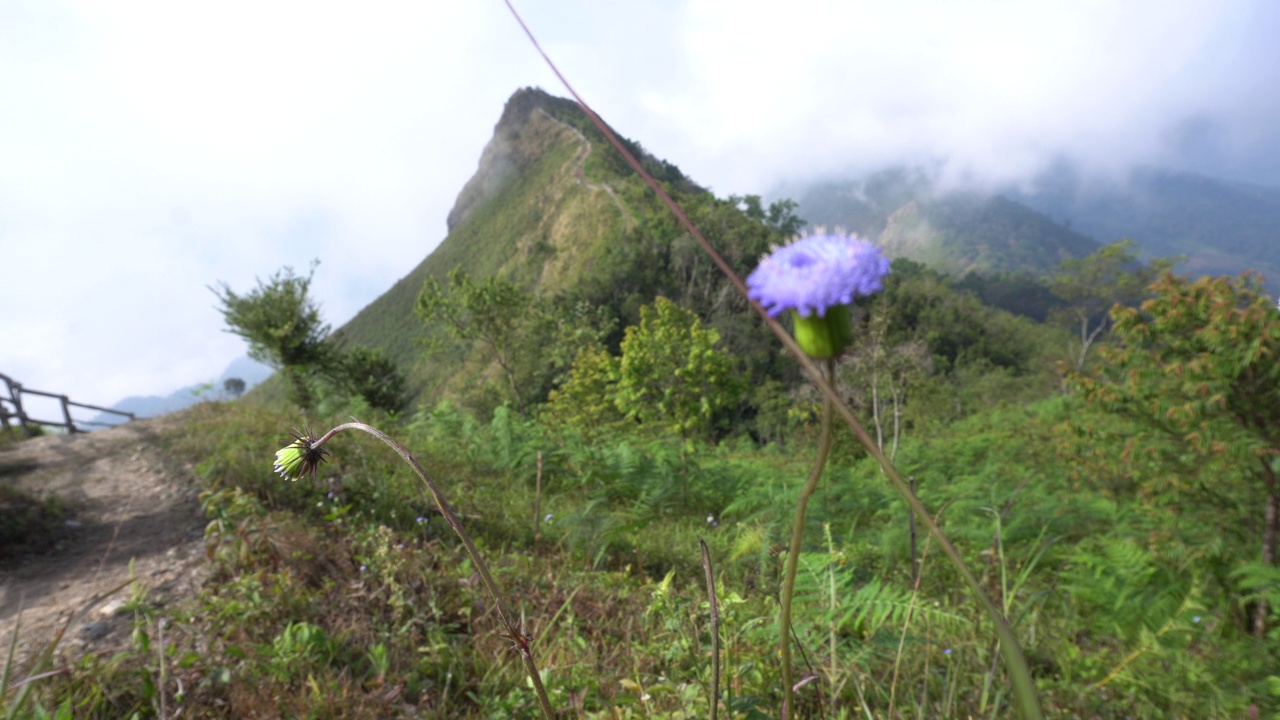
816,273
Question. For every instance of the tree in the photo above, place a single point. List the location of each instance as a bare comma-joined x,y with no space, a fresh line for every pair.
1093,284
489,312
585,402
888,371
373,376
672,374
1198,369
233,387
282,326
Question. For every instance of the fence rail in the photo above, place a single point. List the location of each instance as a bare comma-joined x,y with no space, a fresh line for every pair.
11,409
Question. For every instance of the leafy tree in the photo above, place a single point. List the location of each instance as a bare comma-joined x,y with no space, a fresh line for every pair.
1092,285
884,374
490,312
670,376
671,372
919,303
1198,369
780,216
233,387
373,376
282,326
585,402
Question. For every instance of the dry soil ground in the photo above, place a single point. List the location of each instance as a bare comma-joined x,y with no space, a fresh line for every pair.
130,503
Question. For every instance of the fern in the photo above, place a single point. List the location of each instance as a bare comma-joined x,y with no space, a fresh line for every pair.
870,607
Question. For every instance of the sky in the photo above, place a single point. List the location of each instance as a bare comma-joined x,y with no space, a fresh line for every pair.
150,149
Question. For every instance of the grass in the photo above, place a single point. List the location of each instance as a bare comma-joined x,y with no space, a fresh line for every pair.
348,596
29,524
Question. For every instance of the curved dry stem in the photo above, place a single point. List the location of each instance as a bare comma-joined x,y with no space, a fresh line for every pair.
512,625
793,553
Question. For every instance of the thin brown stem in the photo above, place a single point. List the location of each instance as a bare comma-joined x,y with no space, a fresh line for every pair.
793,554
512,625
715,628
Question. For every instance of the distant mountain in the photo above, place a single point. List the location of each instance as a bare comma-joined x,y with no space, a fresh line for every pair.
956,232
1222,227
250,371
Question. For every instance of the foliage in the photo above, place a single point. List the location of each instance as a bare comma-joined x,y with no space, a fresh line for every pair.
282,326
29,524
671,374
372,376
491,313
585,402
233,387
1197,370
1092,285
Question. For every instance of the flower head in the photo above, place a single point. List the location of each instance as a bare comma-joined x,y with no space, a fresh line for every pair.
817,277
816,273
299,457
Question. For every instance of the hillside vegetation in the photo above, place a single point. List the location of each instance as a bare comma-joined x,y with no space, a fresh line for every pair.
1111,496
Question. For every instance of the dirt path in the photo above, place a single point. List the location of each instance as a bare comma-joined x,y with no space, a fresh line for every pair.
579,161
129,501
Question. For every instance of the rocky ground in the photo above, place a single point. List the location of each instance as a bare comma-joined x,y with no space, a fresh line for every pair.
130,505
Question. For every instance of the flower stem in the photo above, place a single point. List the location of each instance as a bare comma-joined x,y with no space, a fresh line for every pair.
509,621
793,553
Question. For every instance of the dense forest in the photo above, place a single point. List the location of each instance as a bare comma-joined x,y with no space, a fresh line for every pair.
1099,441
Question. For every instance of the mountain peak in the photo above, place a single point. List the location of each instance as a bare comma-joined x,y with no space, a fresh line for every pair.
505,153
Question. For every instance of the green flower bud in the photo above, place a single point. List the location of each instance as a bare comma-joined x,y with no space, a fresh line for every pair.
824,337
300,457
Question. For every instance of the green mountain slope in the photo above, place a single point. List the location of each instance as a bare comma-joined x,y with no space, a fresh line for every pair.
530,214
553,208
956,232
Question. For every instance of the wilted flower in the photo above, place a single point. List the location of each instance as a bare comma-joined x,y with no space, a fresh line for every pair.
817,277
299,457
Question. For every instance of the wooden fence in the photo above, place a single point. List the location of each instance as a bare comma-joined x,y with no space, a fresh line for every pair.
11,409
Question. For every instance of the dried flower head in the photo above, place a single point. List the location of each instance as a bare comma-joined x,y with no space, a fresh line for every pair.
817,272
299,457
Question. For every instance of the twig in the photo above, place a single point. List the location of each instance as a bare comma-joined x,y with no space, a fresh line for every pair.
715,629
793,555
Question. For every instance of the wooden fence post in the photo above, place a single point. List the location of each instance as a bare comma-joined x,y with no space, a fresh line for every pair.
15,392
66,414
